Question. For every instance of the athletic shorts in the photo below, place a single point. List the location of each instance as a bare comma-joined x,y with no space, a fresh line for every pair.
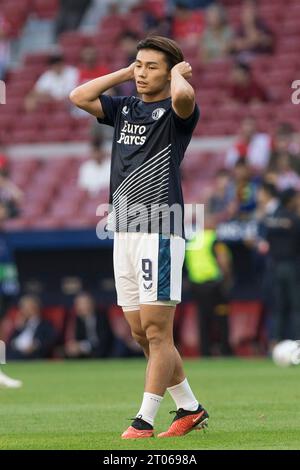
148,269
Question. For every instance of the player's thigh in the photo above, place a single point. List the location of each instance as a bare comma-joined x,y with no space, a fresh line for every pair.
134,320
157,319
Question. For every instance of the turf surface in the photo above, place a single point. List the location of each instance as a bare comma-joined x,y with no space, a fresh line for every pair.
86,405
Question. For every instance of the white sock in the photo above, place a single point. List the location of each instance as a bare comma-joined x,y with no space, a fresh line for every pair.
183,396
149,408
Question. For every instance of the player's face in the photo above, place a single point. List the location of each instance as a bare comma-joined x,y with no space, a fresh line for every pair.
151,72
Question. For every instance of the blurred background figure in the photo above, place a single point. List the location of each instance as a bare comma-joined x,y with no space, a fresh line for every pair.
280,241
70,14
4,46
94,174
11,198
10,195
209,272
244,187
250,144
90,67
243,88
253,36
187,25
91,335
217,35
33,336
53,85
221,203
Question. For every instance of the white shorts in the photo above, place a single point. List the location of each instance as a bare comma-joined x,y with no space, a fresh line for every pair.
148,269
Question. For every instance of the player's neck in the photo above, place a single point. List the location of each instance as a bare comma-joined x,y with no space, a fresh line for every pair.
157,97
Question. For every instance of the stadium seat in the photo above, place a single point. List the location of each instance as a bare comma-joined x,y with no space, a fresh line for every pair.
45,9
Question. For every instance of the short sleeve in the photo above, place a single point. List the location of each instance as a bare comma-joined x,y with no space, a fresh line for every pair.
110,106
42,84
189,124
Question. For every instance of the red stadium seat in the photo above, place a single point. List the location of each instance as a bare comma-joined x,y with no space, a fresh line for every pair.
45,9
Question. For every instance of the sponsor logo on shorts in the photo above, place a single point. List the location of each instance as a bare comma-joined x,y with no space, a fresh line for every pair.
147,287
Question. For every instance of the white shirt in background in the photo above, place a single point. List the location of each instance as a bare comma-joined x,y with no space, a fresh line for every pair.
258,153
58,85
94,176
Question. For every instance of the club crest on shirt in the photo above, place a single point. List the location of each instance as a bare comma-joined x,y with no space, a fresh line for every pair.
125,110
157,113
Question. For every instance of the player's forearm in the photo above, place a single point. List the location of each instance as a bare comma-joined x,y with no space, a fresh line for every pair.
91,90
180,88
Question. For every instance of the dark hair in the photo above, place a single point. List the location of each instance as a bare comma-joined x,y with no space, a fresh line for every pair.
56,58
128,34
222,172
32,297
241,162
284,128
97,142
269,188
287,196
242,66
169,47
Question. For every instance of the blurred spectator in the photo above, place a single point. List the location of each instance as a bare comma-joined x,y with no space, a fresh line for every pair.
267,200
10,195
280,239
10,198
187,25
193,4
90,67
70,14
221,202
217,35
4,46
208,266
243,88
33,337
282,173
253,36
94,174
250,144
127,43
156,24
284,142
245,188
92,335
54,84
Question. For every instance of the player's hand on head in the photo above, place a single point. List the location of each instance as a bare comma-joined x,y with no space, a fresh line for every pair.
130,70
184,68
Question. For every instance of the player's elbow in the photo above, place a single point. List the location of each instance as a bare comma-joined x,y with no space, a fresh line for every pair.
184,97
183,104
76,97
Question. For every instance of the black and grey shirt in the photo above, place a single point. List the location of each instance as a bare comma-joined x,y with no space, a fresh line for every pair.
149,143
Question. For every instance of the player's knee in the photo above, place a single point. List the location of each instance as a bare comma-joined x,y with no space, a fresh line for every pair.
141,338
155,336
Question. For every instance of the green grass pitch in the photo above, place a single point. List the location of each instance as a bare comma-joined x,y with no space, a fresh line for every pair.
86,405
